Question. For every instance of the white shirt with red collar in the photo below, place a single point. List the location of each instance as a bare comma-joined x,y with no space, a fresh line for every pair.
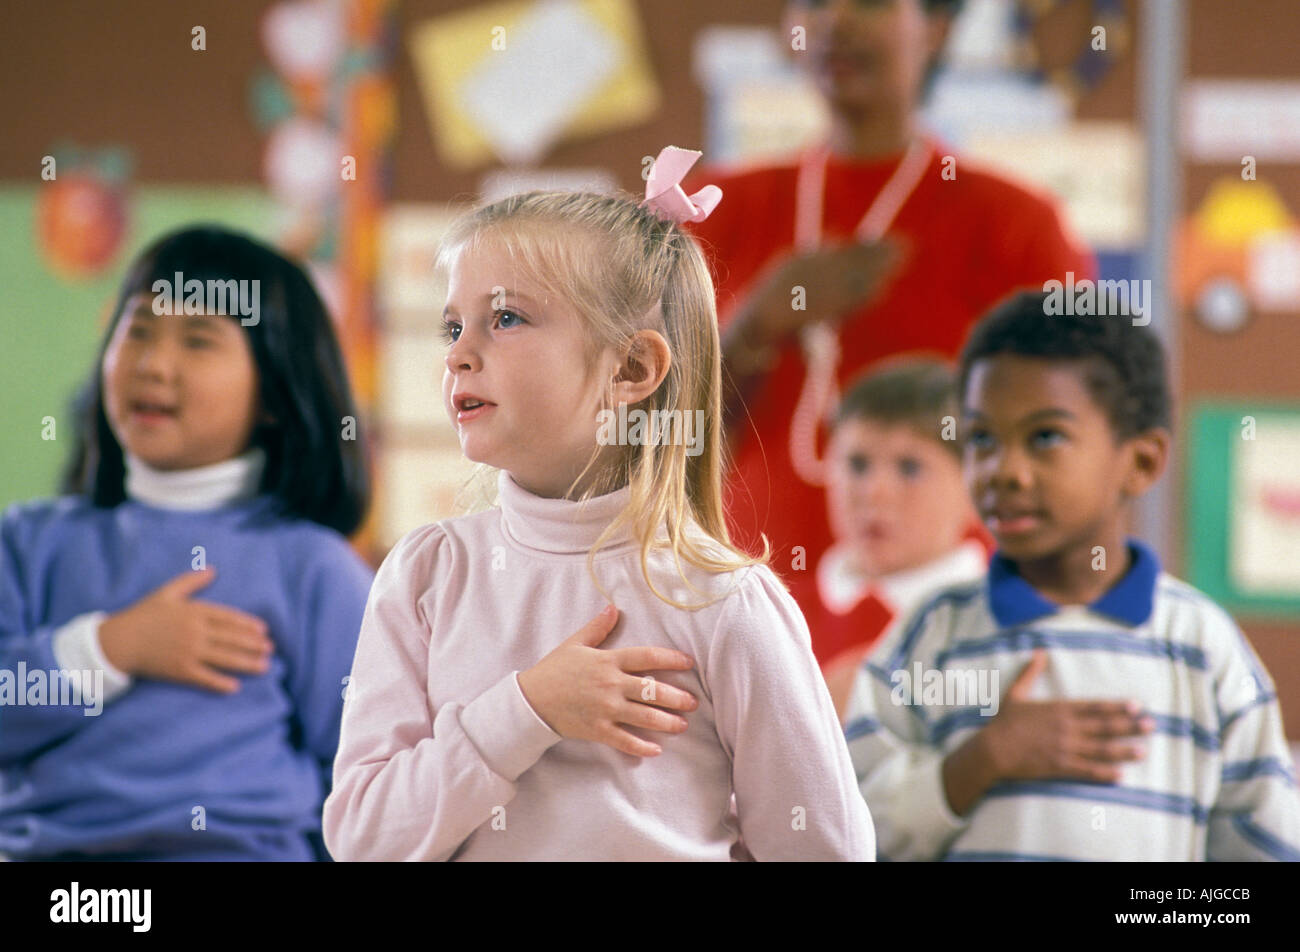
856,609
841,588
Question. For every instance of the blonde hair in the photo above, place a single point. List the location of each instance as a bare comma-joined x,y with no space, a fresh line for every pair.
624,270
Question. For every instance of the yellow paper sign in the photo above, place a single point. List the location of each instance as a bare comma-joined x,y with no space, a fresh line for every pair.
508,80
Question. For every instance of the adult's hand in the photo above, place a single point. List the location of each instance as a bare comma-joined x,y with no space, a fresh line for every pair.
835,282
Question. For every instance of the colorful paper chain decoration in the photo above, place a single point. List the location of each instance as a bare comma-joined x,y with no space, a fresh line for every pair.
1091,65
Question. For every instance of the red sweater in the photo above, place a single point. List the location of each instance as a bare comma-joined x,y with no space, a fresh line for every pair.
967,242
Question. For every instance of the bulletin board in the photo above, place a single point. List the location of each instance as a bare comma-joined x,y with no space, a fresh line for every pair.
1249,370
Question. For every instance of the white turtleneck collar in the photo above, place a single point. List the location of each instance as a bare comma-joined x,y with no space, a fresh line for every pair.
202,487
559,526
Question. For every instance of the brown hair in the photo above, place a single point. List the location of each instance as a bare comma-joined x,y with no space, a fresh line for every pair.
914,392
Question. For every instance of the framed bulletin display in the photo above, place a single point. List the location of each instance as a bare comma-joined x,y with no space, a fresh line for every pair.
1242,517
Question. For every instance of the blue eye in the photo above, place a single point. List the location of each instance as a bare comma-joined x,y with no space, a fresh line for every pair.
979,439
909,468
1045,439
858,464
506,320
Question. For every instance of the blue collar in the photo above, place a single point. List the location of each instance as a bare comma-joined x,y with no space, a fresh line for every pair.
1014,601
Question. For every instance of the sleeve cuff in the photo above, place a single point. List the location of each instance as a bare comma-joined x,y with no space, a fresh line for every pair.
930,803
506,730
76,648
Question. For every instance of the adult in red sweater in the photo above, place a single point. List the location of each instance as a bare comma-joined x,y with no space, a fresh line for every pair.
880,240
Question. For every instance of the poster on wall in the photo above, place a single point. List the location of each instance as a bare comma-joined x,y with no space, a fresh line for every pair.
509,80
1264,544
1243,507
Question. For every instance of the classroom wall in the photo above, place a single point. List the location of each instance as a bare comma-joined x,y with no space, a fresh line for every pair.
125,74
1256,367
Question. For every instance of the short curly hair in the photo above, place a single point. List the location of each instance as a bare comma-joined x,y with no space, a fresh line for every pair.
1123,363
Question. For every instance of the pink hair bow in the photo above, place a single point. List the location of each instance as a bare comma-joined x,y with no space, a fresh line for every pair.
663,190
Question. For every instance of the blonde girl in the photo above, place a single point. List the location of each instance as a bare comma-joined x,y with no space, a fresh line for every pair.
589,670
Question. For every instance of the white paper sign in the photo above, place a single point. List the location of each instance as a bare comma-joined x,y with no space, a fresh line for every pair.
1225,120
524,96
1265,536
1273,270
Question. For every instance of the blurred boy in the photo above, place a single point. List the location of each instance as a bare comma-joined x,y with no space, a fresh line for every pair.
898,510
1140,724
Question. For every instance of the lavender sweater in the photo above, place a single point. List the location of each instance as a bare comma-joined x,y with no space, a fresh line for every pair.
169,771
441,757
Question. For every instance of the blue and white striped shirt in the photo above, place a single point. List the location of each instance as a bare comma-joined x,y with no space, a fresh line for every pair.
1216,783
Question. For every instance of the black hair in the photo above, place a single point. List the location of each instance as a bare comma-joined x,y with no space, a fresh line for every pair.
915,393
312,471
1123,363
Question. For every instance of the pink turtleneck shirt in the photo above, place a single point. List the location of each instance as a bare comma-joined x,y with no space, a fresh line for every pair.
441,756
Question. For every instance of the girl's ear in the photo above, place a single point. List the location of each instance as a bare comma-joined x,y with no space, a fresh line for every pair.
643,368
